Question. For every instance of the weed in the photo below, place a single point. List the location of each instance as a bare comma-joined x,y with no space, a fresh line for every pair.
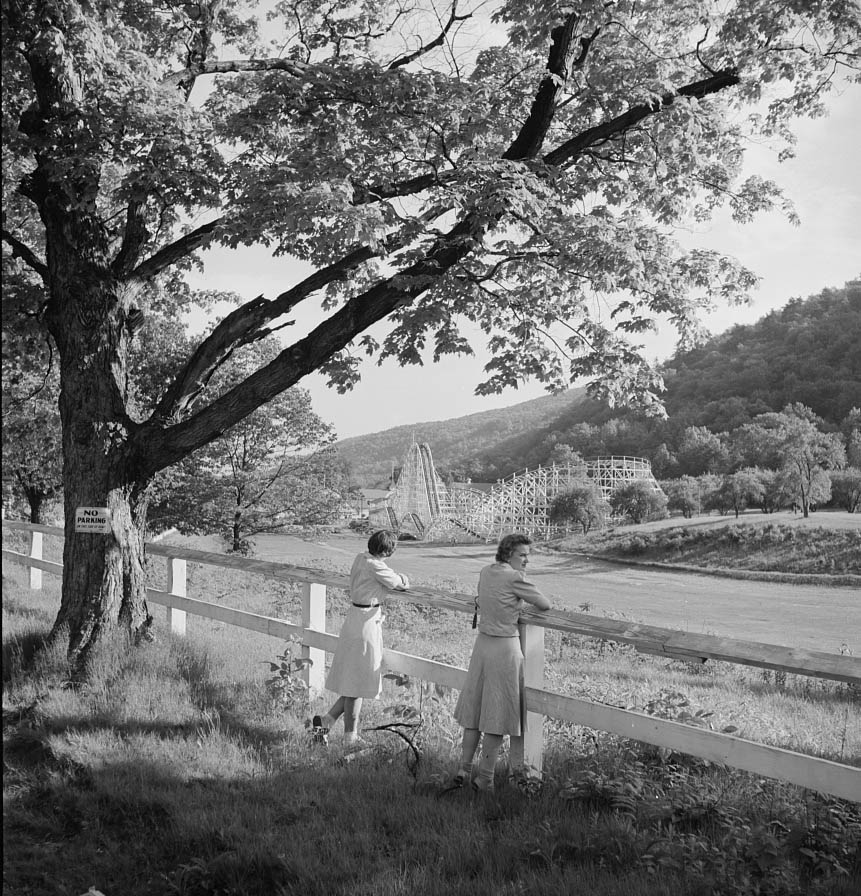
287,689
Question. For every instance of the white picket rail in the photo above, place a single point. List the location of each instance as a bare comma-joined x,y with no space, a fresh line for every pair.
815,773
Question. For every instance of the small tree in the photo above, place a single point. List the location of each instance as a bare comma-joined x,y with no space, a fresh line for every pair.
700,451
851,427
32,436
582,505
846,488
639,500
664,463
804,450
773,494
32,452
562,454
740,489
714,496
684,495
269,470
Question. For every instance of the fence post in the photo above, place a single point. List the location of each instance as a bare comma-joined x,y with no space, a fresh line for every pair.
314,617
528,749
36,554
176,584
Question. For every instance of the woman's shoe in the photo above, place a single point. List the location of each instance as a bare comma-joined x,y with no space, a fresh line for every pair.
319,733
480,784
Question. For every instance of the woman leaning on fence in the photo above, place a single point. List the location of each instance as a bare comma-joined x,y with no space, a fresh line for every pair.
356,670
491,702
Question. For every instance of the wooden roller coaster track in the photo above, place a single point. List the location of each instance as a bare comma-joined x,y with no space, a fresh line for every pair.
423,506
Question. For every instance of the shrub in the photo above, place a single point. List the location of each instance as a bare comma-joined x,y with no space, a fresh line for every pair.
581,504
640,501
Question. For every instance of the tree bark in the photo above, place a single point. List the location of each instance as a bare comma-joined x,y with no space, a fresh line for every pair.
237,530
103,573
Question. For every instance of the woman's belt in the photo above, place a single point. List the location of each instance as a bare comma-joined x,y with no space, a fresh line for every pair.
366,606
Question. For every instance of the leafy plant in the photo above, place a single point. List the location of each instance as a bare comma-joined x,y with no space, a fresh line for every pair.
674,705
620,792
286,686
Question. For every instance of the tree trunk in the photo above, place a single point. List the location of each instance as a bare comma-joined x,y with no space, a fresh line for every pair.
35,499
237,530
103,573
87,312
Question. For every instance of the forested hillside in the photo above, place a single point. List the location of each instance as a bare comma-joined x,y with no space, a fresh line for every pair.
471,446
806,352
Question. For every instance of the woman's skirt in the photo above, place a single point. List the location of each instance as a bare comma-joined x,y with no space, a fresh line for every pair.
492,698
357,667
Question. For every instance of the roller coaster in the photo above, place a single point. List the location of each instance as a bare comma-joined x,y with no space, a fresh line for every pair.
423,506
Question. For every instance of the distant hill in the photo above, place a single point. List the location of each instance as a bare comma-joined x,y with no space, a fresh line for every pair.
808,351
461,443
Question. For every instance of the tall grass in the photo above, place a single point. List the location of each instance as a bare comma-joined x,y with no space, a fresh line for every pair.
175,770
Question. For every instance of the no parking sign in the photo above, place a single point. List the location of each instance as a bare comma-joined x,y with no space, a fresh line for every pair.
93,519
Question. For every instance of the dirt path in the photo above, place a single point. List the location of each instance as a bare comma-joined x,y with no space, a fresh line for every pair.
808,616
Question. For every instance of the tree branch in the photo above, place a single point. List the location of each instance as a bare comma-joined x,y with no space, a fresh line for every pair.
135,233
306,355
26,254
436,42
569,150
175,251
528,142
225,66
244,325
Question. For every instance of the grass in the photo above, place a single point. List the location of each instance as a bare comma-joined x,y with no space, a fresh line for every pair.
754,546
176,770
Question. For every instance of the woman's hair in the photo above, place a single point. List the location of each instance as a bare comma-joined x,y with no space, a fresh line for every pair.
382,543
508,543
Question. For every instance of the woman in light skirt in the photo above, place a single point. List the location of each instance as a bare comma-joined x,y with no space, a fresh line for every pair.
356,671
491,702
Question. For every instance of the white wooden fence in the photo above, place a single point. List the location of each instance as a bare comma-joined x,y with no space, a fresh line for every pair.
823,775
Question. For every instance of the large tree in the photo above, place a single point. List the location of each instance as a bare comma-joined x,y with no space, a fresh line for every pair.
793,441
523,185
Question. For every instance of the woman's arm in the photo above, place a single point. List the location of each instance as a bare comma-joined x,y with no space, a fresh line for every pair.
528,592
387,577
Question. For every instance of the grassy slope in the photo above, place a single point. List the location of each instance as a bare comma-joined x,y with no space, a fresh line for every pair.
175,771
826,543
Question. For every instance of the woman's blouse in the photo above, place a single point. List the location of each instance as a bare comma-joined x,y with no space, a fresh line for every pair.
501,591
371,580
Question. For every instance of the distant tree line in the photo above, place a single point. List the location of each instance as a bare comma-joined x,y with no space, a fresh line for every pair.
779,460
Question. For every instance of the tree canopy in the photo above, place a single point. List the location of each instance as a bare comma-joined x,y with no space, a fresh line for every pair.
518,165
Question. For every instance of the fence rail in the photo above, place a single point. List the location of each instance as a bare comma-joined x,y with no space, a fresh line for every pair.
815,773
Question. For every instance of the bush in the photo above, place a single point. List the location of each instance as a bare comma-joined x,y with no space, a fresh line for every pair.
639,500
581,504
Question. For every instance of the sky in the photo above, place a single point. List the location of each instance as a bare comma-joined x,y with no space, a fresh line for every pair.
823,180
